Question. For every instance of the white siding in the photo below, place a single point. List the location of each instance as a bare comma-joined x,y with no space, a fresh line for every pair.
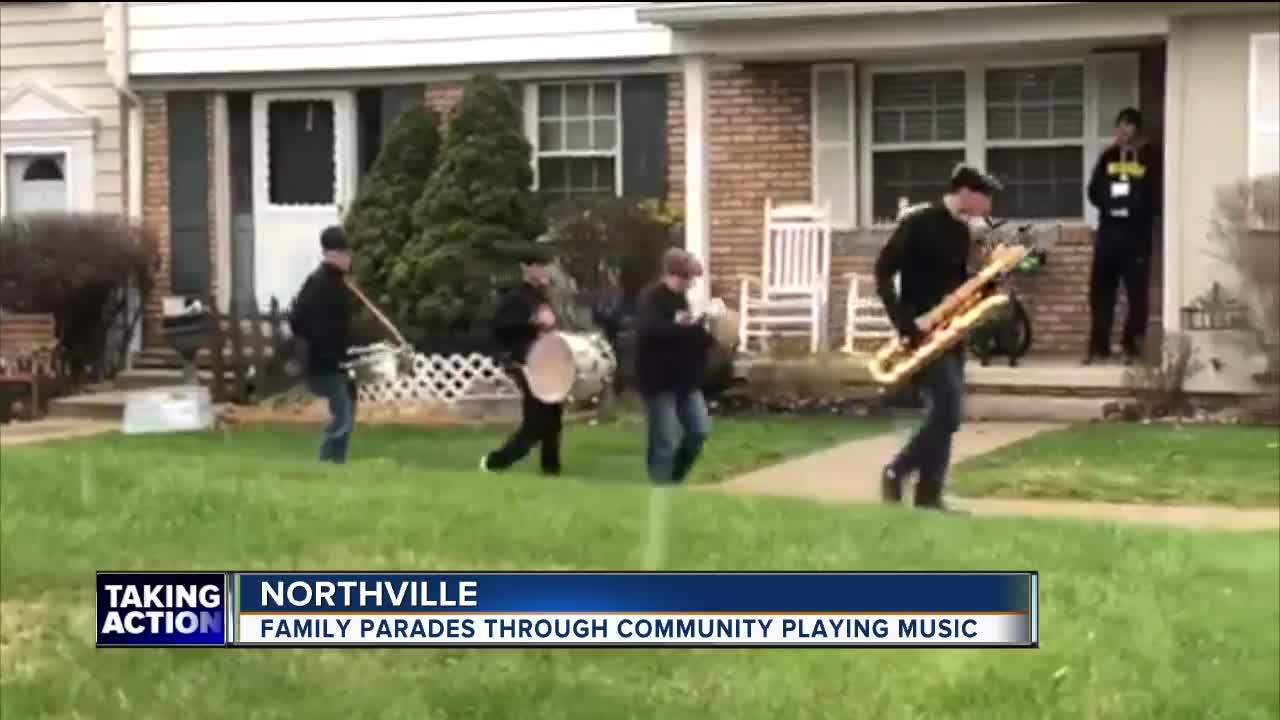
62,46
217,37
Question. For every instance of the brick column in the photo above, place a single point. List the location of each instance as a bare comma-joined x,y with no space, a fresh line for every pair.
155,207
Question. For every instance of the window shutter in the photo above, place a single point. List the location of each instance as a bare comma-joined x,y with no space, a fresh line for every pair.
188,194
834,165
1264,104
644,136
1113,82
398,98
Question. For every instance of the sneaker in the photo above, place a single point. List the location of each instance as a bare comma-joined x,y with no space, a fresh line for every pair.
484,463
890,485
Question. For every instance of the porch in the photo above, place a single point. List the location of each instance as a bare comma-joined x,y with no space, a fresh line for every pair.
857,107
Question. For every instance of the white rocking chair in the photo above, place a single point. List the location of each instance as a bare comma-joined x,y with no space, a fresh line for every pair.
866,324
790,297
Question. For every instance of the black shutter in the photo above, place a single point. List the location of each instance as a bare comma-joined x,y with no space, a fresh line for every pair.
644,136
517,94
240,130
188,194
398,98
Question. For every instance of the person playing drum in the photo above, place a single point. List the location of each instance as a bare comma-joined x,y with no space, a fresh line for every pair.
322,316
672,349
523,314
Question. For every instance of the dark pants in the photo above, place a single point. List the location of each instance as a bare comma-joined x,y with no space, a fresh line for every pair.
929,450
678,426
1121,255
337,388
540,425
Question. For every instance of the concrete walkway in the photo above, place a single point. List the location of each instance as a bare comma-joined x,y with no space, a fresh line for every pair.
26,433
851,473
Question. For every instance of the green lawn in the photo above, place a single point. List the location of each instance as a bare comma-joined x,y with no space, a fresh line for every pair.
1136,622
1124,462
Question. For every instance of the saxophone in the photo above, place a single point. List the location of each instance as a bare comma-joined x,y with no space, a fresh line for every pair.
948,322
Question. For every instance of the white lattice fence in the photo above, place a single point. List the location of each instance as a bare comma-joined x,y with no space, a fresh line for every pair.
444,379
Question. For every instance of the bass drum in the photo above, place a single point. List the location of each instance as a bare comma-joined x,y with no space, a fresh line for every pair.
569,366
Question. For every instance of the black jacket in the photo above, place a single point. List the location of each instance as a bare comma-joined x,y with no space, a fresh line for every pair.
322,315
513,325
930,249
669,357
1138,170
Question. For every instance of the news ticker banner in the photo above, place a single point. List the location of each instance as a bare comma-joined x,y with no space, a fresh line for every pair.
560,609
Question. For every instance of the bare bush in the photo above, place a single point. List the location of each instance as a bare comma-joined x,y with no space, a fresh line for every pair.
1246,236
81,268
1159,381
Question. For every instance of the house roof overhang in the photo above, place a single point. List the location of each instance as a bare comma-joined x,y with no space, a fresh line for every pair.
692,15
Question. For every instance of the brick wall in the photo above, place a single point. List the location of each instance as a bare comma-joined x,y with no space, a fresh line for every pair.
155,205
760,147
442,96
759,132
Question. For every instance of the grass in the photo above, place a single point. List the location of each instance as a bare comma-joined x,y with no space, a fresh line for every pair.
608,452
1123,462
1136,622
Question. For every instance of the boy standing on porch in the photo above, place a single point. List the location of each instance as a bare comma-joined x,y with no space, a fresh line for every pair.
322,316
930,249
1125,189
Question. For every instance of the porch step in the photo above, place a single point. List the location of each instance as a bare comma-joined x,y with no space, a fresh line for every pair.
150,378
160,358
992,407
94,406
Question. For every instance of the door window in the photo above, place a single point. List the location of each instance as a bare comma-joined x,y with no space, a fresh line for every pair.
35,182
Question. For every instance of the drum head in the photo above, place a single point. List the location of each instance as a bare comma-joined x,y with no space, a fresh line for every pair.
550,368
725,329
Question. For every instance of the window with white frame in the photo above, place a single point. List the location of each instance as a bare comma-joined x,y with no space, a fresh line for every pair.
918,128
1035,139
578,138
1031,125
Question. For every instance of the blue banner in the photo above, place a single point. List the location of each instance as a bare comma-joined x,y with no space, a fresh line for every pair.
144,609
567,592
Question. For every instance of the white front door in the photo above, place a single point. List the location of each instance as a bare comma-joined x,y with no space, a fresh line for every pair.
36,183
304,163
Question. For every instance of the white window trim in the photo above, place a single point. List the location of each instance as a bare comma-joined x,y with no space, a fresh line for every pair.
851,142
975,143
68,170
1256,39
531,117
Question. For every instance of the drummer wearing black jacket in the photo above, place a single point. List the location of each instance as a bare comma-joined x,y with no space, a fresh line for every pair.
523,314
929,251
671,360
322,316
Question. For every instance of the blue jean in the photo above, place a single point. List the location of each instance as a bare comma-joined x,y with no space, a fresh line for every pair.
671,452
929,450
338,390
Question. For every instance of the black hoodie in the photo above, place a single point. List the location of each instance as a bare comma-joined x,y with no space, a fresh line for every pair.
1125,185
513,325
322,315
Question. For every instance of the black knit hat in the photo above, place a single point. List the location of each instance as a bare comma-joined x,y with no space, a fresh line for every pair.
333,238
1130,116
967,177
536,254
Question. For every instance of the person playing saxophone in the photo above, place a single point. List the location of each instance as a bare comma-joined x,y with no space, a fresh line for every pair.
929,252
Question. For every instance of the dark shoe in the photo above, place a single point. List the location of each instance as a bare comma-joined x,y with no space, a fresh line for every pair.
552,472
1095,359
890,485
